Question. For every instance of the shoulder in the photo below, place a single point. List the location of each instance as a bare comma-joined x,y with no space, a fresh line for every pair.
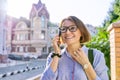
98,57
97,52
99,62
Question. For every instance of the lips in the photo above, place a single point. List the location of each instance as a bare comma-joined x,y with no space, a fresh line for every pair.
69,37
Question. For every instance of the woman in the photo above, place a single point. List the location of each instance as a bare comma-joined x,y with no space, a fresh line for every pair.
72,62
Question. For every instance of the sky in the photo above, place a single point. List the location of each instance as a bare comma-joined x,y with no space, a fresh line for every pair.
91,12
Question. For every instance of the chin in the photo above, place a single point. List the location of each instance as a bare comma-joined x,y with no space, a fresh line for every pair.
69,43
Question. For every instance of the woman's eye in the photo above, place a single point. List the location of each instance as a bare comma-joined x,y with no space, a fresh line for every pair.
63,29
72,28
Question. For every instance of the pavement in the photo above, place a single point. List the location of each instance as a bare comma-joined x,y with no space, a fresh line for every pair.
12,63
22,70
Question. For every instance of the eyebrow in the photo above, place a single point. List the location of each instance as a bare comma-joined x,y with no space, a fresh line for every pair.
68,26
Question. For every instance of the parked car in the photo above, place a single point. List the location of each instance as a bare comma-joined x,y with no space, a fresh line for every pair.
18,57
31,56
15,57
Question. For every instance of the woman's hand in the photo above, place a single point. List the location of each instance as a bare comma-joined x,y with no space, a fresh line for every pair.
80,57
54,63
56,43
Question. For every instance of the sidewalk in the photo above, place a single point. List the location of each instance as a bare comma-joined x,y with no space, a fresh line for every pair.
12,63
22,71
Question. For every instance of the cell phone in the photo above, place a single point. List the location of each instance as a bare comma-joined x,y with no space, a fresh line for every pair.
59,34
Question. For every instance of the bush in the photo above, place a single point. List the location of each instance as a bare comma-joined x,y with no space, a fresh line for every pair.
101,42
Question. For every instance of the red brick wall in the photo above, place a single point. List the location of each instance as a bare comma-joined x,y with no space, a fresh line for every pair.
114,31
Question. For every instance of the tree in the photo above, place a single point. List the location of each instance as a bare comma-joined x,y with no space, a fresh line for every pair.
101,42
113,14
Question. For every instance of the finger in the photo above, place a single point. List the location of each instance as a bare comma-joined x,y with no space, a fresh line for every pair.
80,49
79,54
75,53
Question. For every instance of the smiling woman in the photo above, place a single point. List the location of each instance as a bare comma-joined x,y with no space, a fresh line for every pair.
72,63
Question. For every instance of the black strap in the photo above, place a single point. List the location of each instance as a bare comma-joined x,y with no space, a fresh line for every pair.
90,55
56,54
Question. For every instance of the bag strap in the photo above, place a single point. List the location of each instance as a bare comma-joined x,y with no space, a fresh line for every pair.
90,55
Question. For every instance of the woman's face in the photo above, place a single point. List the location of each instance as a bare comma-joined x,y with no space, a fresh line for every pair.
71,34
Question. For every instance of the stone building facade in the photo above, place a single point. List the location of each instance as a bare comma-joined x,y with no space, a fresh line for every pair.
29,37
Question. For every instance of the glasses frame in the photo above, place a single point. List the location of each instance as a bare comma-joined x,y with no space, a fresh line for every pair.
65,28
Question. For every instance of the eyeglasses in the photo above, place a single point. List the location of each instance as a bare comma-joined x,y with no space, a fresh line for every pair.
63,29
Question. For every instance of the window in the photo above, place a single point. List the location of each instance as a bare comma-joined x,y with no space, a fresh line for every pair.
21,49
42,35
22,37
21,26
42,21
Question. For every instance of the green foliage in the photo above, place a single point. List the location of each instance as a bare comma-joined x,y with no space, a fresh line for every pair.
113,14
101,42
50,24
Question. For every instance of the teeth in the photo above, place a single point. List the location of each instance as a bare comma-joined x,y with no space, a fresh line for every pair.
68,37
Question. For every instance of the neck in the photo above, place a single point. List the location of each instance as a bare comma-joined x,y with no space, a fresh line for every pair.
72,48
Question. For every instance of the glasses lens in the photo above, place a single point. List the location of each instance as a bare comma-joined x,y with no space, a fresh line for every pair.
73,28
63,29
70,28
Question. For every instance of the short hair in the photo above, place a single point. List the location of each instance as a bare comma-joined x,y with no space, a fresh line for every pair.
85,35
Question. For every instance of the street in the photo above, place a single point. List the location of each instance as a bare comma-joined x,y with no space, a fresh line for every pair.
22,71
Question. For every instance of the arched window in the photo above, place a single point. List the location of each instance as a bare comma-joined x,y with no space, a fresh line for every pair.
21,25
42,21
